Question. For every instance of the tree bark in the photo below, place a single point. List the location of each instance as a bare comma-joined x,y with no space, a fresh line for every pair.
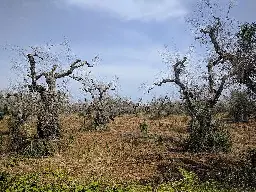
48,126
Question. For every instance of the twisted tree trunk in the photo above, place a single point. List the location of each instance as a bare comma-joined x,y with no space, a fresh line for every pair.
48,126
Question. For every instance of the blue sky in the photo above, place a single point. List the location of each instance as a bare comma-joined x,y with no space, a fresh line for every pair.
127,34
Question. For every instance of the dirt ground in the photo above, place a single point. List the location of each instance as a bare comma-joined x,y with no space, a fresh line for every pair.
124,154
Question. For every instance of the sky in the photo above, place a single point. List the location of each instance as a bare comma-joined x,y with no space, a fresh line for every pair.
128,35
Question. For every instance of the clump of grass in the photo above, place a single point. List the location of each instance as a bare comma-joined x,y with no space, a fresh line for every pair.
144,128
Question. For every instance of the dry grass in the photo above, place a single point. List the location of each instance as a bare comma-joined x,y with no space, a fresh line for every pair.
123,154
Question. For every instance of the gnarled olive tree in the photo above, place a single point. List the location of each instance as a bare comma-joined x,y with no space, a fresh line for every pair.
48,119
101,108
201,98
244,69
42,74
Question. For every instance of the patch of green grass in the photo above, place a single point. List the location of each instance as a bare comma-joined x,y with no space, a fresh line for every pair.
32,182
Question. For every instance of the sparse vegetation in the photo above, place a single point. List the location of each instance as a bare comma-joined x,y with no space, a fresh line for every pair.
113,144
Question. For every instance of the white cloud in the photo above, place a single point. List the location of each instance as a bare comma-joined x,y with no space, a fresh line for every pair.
144,10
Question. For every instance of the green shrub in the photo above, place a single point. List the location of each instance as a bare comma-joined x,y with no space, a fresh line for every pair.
213,137
144,128
38,148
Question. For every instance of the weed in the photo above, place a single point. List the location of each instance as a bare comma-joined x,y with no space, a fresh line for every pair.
144,128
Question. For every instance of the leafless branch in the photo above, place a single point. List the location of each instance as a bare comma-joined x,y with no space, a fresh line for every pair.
213,31
73,66
217,95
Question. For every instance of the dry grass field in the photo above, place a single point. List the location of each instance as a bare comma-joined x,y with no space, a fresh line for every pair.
123,154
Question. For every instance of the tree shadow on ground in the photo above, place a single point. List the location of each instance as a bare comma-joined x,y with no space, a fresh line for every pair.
2,133
237,173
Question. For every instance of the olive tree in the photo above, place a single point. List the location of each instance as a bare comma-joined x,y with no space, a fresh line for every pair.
102,109
21,105
241,106
163,107
48,120
3,104
44,70
201,97
244,68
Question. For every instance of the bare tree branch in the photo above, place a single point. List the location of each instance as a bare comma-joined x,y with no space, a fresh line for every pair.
217,95
188,95
212,31
73,66
177,70
160,83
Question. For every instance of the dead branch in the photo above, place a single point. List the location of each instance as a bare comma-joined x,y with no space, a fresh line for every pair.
73,66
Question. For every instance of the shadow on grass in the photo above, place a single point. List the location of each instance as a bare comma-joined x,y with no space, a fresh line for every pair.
239,174
4,133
